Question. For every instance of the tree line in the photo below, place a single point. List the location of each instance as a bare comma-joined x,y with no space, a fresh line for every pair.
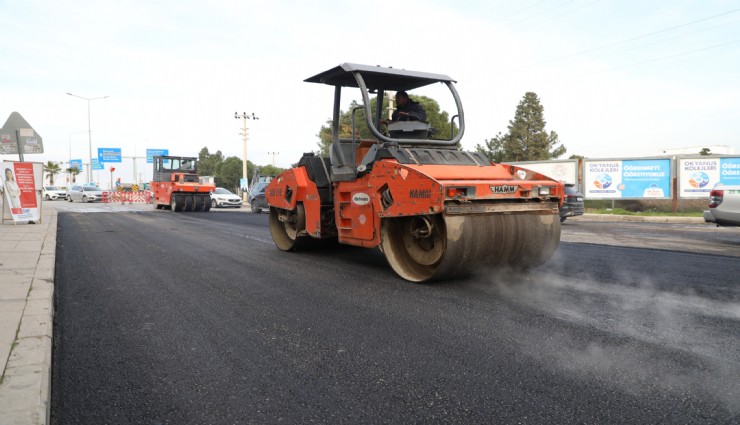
526,139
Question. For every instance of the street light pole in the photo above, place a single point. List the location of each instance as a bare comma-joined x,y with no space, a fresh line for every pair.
89,133
245,117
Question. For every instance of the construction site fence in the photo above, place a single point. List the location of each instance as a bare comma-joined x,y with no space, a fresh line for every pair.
127,197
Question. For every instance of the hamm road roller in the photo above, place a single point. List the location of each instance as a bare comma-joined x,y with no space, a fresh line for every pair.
434,210
176,185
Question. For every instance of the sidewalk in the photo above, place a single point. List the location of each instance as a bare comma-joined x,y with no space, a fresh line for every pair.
27,253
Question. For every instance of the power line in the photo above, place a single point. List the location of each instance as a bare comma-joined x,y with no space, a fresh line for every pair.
634,38
658,59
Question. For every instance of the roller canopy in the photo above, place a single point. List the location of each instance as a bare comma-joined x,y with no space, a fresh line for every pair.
377,77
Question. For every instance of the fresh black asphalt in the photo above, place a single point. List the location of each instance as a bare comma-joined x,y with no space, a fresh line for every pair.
196,318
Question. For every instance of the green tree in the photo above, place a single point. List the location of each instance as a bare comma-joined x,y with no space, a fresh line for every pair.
527,139
51,169
73,171
574,156
439,120
208,163
705,151
229,173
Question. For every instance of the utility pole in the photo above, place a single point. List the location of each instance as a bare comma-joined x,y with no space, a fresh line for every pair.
273,156
245,117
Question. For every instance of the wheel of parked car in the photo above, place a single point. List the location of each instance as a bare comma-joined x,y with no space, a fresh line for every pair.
256,209
214,204
69,198
48,198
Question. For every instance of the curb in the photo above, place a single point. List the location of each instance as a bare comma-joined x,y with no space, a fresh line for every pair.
638,219
25,393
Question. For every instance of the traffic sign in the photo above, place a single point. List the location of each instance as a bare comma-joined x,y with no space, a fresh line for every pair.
151,153
109,154
96,165
15,131
76,163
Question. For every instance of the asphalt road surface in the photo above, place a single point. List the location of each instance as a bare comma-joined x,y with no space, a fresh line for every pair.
180,318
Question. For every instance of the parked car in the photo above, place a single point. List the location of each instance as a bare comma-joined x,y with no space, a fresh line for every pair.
224,198
573,203
52,193
257,197
85,194
724,206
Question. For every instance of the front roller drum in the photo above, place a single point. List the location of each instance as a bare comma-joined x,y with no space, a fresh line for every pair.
286,227
423,248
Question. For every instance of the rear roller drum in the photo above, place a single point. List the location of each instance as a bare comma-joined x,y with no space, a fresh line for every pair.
286,226
207,203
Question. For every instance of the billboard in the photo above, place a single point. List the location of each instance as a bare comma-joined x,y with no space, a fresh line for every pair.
564,170
627,179
698,176
20,181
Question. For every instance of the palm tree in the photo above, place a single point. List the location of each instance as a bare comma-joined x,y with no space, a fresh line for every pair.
52,169
73,171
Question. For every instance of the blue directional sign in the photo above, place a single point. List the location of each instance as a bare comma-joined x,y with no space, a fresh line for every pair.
76,163
96,164
109,154
151,153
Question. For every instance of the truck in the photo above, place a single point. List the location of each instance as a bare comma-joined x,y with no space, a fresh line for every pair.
175,185
434,210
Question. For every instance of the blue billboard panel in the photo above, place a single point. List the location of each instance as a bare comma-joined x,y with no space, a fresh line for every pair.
76,163
109,154
635,179
648,178
151,153
96,165
729,171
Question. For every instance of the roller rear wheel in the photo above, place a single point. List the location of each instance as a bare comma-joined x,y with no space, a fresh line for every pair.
207,203
197,203
188,203
286,226
177,203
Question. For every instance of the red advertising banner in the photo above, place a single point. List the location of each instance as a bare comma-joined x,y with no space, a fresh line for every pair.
19,184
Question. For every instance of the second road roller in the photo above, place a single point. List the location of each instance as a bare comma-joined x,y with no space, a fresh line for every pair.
435,211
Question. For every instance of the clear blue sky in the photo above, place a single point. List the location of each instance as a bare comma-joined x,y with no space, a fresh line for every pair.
616,78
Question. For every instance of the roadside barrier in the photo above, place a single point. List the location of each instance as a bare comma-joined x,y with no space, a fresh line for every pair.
127,197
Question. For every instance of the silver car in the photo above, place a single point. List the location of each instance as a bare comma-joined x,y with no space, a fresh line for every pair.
85,194
724,206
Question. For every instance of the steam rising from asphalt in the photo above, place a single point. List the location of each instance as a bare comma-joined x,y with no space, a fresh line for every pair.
683,344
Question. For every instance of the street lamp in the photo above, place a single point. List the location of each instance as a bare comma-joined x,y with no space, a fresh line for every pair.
89,133
245,117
